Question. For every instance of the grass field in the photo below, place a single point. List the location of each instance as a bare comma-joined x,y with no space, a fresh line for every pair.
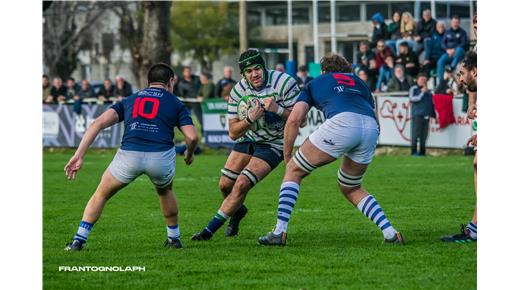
330,245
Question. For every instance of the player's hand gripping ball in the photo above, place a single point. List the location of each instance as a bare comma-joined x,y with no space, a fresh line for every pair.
248,106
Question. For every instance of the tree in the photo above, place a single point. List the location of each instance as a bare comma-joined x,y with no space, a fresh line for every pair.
65,27
205,30
145,31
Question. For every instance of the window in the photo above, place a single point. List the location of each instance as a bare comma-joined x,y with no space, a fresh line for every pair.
323,13
402,7
378,7
309,54
461,10
348,13
300,15
276,16
254,18
441,10
423,6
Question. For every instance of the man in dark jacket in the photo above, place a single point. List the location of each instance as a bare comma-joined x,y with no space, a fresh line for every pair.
422,109
425,28
106,92
225,81
433,48
122,89
364,55
454,42
408,59
189,87
58,92
302,77
380,32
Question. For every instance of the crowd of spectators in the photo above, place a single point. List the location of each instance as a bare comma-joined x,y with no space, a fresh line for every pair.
401,49
74,92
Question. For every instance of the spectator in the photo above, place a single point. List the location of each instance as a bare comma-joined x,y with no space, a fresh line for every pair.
85,91
394,31
400,81
386,72
46,89
364,55
207,87
176,85
72,88
189,87
123,89
380,32
454,42
302,77
382,51
372,72
58,92
227,79
408,32
106,92
433,48
362,74
408,59
425,29
226,91
422,109
279,67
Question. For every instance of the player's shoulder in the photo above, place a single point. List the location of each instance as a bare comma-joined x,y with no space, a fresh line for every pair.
240,87
279,80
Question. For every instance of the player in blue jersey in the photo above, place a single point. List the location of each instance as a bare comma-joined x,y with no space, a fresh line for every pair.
350,130
147,148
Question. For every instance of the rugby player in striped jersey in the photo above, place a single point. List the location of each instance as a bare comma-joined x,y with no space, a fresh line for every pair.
259,145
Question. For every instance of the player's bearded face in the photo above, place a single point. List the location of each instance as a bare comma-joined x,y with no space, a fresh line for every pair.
255,75
468,78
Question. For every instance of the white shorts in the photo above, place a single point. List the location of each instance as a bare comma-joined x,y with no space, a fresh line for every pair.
350,134
158,166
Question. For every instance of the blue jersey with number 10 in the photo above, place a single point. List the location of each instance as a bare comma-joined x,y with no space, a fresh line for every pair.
150,116
335,93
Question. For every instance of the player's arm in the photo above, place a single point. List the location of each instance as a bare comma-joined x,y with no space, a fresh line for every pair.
271,106
237,128
297,116
472,108
107,119
289,93
191,138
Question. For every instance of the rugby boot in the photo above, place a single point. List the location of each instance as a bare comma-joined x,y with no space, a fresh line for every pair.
173,243
234,221
74,246
462,237
271,239
398,239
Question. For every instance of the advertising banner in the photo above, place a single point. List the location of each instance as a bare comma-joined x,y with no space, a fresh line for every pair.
395,115
215,133
62,127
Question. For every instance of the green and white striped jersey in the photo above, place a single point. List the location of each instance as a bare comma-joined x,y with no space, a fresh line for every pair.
283,88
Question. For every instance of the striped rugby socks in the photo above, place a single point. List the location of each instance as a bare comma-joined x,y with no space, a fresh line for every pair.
472,227
288,195
371,209
173,232
218,221
83,231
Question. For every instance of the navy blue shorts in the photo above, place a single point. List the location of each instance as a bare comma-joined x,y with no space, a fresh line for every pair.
266,152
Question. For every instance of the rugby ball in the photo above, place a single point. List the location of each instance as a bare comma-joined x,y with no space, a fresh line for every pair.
246,104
